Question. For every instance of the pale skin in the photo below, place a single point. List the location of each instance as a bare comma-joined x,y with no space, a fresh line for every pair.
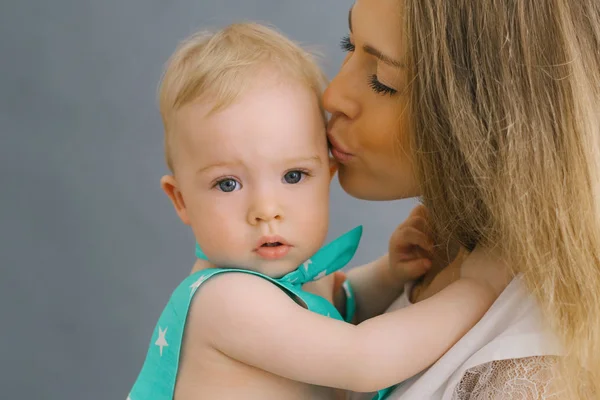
235,182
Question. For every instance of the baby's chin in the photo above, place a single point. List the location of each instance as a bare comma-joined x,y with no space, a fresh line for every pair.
270,263
276,268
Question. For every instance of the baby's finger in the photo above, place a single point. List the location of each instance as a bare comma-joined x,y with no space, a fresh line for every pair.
417,267
419,211
421,223
409,237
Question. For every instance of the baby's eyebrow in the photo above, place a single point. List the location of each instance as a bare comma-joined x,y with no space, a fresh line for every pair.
217,165
315,159
230,164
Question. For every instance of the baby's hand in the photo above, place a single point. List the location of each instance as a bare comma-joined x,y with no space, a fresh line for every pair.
411,247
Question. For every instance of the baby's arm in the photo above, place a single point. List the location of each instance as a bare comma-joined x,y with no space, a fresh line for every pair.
377,284
373,289
254,322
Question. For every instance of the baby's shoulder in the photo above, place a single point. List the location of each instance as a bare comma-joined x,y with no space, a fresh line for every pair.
234,296
226,285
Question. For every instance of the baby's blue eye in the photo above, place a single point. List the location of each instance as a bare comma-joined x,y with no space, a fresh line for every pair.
293,177
228,185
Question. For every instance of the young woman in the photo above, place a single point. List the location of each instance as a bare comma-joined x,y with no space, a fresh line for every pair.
488,110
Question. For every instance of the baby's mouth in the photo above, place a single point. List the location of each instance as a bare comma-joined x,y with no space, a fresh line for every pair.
273,249
272,244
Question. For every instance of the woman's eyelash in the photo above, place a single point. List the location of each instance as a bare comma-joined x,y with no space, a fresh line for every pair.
346,44
374,83
379,87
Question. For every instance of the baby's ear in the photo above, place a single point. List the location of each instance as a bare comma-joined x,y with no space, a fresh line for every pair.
333,167
168,183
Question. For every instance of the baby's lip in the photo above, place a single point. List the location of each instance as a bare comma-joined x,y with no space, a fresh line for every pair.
271,239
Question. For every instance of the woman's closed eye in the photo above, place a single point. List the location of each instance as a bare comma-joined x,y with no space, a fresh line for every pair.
379,87
374,82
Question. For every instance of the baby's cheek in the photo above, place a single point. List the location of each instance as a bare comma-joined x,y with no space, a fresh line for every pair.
225,246
316,224
216,230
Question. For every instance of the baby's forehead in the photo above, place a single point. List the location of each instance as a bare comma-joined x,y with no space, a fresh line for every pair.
266,125
284,107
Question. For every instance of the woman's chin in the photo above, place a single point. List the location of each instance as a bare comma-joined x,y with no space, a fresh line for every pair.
364,187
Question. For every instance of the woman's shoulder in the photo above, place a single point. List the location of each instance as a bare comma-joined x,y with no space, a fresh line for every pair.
510,340
527,377
512,328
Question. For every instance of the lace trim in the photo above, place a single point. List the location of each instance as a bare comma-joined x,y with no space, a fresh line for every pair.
529,378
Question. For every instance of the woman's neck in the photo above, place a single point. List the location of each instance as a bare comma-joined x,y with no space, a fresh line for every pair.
489,265
483,263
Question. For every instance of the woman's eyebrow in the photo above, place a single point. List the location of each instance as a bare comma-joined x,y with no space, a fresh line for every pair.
382,57
373,51
350,19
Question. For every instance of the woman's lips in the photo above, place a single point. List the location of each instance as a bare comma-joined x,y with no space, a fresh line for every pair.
338,152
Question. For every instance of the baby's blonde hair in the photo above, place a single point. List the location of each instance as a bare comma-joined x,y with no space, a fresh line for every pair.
220,65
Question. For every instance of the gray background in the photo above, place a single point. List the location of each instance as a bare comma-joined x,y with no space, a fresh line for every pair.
90,248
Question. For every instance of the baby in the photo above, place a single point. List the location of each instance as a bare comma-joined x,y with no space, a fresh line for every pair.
245,142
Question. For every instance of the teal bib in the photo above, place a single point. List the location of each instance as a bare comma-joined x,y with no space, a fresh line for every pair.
157,378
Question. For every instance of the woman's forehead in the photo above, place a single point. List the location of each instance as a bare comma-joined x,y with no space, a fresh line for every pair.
378,24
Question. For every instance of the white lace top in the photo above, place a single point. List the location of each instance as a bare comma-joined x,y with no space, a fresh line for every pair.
508,355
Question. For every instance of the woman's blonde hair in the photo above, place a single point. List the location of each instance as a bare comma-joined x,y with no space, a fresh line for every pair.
221,65
506,117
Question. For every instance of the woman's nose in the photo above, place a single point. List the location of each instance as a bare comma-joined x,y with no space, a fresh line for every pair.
341,95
